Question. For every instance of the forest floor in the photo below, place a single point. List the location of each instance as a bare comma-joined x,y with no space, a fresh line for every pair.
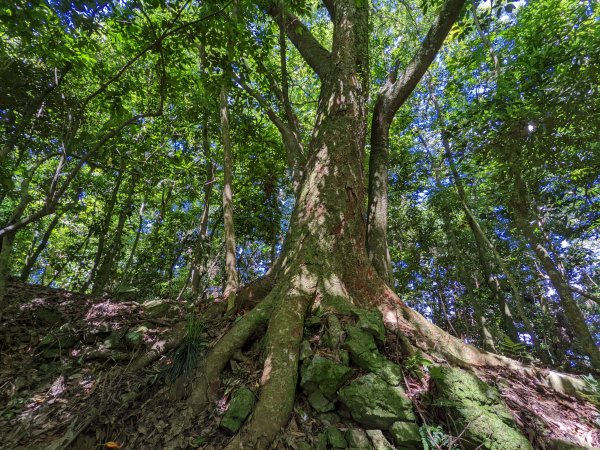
84,372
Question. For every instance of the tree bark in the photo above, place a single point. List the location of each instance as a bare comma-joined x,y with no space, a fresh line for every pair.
126,269
324,264
104,228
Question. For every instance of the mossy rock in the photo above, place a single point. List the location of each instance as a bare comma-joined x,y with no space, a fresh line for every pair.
319,402
305,350
64,337
114,340
329,419
335,438
240,407
379,441
475,411
371,321
406,435
374,403
135,336
364,353
157,309
357,438
323,374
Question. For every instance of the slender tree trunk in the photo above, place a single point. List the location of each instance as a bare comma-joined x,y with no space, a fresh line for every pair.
103,231
127,268
200,252
231,274
524,220
484,246
106,267
391,97
31,259
466,279
5,253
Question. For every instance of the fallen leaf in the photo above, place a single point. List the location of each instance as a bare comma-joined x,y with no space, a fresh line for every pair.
112,444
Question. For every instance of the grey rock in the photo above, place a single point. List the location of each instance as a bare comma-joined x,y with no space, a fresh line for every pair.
357,438
378,440
156,309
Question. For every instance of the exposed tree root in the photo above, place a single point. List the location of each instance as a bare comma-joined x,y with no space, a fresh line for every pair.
280,374
223,351
251,294
436,342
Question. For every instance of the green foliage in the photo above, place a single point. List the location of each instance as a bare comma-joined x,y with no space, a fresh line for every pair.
434,437
515,350
415,365
592,393
516,84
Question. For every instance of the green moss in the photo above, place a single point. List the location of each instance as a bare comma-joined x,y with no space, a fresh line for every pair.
374,403
239,409
323,374
335,438
475,410
364,353
371,321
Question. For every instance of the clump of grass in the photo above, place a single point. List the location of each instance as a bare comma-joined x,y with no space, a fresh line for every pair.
186,355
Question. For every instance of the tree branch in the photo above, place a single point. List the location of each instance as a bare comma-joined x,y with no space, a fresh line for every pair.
262,102
54,197
585,294
315,55
397,92
330,5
